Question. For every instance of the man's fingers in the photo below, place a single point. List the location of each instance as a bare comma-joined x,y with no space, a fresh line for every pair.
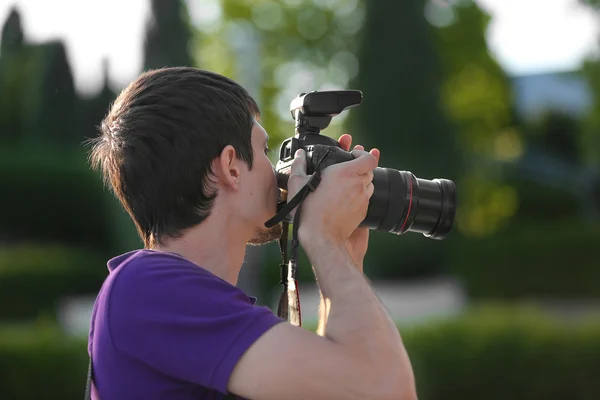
298,167
367,178
363,162
376,153
345,141
370,190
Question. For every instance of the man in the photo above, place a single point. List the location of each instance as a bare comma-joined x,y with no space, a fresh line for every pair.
185,154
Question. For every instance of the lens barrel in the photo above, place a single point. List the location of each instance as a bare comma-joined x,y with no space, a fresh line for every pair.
402,203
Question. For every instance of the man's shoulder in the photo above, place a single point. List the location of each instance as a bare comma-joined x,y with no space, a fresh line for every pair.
150,262
148,291
178,319
161,275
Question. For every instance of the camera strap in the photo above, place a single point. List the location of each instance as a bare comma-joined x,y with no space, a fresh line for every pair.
289,302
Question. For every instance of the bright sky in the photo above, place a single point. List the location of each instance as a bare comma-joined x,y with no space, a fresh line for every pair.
526,36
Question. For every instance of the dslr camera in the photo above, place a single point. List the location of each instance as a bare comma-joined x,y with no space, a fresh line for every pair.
400,203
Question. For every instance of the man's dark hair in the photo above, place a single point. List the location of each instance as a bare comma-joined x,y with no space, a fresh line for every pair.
158,140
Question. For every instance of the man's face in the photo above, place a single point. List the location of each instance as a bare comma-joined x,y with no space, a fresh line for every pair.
260,190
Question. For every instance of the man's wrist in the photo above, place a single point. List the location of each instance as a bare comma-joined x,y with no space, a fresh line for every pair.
320,247
315,241
359,265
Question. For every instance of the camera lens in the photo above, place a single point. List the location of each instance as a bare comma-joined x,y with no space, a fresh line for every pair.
402,203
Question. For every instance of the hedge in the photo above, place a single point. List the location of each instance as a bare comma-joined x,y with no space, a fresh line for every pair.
507,354
38,362
52,195
551,259
34,277
487,354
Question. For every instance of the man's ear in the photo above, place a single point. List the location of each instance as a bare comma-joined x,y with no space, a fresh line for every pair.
227,168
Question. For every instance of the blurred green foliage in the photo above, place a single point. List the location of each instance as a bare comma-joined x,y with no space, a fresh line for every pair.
591,135
53,197
592,3
491,352
168,35
559,134
401,77
11,76
36,88
436,102
549,260
591,72
506,353
298,48
434,97
476,91
403,115
477,98
38,362
35,277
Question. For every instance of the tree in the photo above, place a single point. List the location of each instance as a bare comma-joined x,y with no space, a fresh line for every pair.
559,134
49,111
37,92
12,34
298,47
401,76
477,98
12,78
592,3
94,108
591,72
168,37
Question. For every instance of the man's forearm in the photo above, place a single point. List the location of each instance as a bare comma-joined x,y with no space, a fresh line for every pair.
352,315
325,307
323,314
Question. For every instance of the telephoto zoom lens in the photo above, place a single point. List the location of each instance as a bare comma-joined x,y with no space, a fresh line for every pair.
402,203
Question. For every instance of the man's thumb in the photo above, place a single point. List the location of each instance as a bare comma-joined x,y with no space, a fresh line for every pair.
299,165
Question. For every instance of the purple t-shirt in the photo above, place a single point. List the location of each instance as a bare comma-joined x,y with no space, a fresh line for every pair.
164,328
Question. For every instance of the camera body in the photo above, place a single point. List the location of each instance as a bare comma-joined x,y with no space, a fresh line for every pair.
400,203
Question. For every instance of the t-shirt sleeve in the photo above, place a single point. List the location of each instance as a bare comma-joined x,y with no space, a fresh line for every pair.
184,322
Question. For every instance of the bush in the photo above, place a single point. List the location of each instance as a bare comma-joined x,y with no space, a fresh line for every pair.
41,363
552,259
487,354
34,277
539,202
52,195
508,354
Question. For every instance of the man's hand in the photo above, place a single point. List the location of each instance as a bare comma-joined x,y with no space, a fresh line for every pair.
358,242
340,202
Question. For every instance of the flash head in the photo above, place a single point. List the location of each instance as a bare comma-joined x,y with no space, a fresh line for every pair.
313,111
326,103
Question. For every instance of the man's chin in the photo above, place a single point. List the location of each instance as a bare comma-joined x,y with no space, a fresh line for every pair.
265,236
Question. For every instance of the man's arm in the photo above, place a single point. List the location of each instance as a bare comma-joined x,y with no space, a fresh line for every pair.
325,309
361,357
352,313
357,245
323,314
325,305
